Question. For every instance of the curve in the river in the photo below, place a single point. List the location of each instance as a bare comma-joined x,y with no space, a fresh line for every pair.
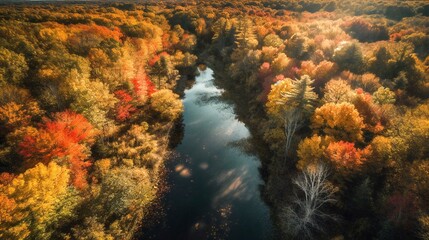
215,186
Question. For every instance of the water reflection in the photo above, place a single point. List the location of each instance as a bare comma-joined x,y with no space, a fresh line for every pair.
214,182
234,185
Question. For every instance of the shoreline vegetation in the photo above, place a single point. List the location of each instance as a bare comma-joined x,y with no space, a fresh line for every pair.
335,94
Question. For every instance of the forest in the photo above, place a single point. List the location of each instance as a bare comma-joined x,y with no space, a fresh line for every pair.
335,91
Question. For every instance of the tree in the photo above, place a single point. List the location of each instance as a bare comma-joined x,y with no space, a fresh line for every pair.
167,104
311,151
93,100
13,115
125,194
412,129
380,63
368,111
91,229
245,35
341,121
55,76
419,174
299,47
187,43
281,63
12,93
65,139
13,67
382,154
163,71
338,91
293,106
345,157
306,214
424,227
222,32
365,31
245,69
384,96
349,56
136,148
272,40
324,71
368,81
40,200
124,107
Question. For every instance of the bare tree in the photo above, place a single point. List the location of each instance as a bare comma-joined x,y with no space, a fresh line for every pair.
306,215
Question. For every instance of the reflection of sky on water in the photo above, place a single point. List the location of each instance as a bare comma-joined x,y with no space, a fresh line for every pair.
215,186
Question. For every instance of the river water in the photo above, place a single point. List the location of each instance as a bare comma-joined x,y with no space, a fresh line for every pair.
214,185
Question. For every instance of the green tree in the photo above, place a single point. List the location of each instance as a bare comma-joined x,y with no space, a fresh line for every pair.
167,104
384,96
163,73
272,40
349,56
299,47
93,100
13,67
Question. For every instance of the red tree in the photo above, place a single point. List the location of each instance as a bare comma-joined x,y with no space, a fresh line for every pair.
67,138
124,108
345,157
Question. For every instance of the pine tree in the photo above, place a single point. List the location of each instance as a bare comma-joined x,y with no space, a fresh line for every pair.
299,101
245,37
293,106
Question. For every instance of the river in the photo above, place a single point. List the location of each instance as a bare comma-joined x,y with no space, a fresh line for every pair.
214,184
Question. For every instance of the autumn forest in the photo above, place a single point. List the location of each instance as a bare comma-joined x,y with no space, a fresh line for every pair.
95,101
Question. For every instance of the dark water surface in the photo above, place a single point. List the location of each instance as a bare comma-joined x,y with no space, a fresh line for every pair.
214,185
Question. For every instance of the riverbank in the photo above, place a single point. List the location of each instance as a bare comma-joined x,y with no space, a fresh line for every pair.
277,185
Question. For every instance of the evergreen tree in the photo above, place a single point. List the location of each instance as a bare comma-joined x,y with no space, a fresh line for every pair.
296,104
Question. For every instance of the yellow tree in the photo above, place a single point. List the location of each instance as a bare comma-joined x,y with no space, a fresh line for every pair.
40,198
341,121
338,91
311,151
167,104
14,115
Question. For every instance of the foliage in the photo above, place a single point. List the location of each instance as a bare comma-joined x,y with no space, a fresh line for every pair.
13,67
167,104
39,200
365,31
115,64
136,148
349,56
13,115
299,47
293,106
311,151
345,157
124,108
65,139
338,91
339,120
